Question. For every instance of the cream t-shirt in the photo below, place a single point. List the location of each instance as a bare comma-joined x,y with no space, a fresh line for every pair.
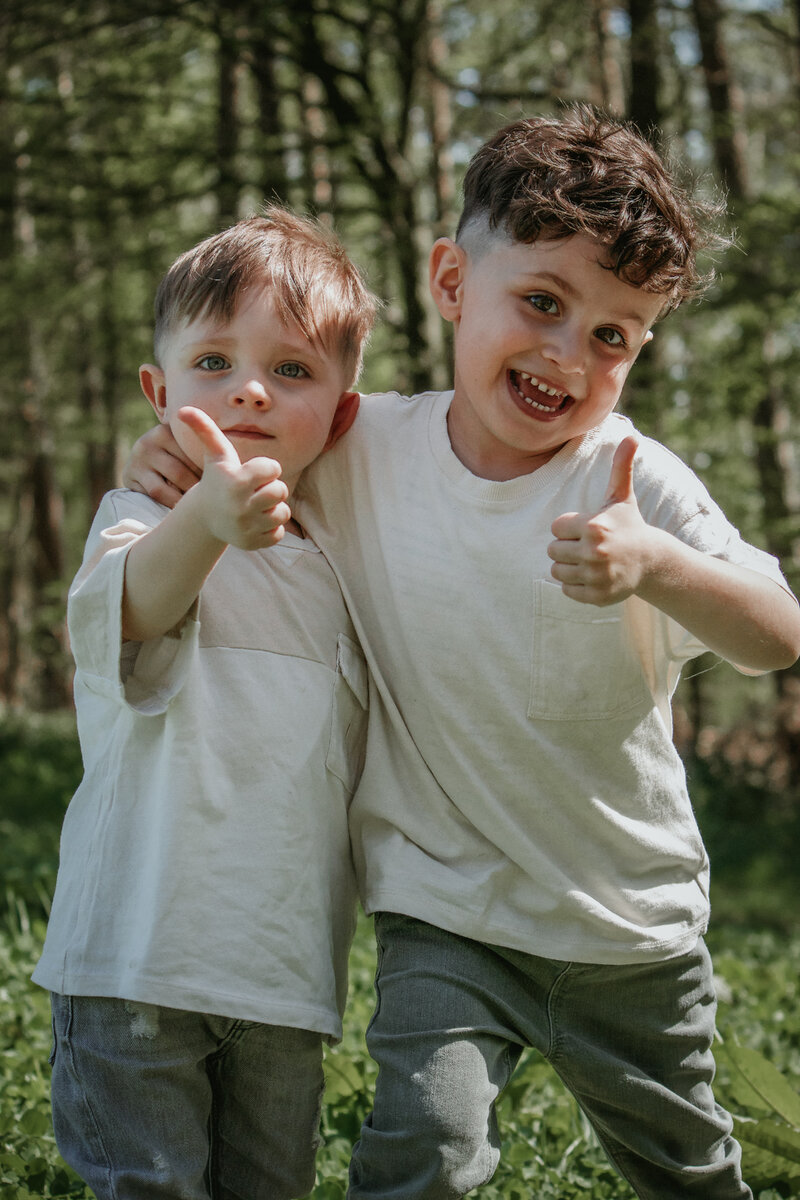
205,859
521,786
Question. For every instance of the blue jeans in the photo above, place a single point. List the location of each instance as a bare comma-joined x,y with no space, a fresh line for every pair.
632,1043
152,1102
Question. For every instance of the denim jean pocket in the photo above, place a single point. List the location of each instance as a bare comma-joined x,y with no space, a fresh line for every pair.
51,1058
584,665
59,1013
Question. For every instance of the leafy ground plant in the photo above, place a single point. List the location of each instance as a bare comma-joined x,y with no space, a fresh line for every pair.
549,1150
767,1120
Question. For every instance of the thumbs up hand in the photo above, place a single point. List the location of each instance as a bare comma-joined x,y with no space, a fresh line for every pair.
243,504
601,558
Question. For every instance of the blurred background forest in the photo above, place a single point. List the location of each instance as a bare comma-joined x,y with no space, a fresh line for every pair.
128,131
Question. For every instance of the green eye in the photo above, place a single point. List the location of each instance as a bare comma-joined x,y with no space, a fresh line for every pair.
291,370
213,362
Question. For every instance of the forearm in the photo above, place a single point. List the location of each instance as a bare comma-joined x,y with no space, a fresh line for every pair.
738,613
165,570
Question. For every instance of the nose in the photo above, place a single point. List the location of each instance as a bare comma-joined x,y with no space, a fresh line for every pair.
565,349
251,393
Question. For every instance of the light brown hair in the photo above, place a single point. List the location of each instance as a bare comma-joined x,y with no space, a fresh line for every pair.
313,281
585,172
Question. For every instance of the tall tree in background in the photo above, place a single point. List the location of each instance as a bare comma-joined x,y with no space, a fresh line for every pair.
131,130
770,412
645,52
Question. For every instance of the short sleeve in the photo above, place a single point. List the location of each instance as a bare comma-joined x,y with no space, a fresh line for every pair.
144,676
672,497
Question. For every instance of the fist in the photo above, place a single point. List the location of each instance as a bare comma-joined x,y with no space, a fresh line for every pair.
243,504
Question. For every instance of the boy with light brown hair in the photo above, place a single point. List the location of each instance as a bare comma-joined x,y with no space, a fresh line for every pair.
527,575
205,904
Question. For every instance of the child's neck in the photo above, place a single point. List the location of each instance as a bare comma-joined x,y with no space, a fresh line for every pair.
501,466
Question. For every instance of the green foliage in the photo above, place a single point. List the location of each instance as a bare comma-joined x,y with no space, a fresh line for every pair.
767,1120
30,1165
41,767
548,1149
751,830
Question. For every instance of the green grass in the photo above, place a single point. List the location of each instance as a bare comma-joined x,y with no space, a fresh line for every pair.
549,1150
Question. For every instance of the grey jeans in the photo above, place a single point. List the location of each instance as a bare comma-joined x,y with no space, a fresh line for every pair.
152,1102
632,1043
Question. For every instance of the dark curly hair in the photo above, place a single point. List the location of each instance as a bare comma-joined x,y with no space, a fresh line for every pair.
585,172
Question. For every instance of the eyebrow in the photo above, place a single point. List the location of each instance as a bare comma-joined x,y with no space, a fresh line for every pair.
570,291
290,349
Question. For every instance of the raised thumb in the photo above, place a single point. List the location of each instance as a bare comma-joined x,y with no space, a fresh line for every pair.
216,446
620,485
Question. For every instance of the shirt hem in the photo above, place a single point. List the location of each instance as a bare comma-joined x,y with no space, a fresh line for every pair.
598,952
236,1008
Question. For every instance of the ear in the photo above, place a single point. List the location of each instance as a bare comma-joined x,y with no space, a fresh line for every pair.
343,418
447,268
154,387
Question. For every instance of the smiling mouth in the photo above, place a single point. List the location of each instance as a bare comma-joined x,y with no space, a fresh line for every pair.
539,396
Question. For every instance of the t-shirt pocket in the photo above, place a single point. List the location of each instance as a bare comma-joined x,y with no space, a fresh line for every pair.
345,758
584,666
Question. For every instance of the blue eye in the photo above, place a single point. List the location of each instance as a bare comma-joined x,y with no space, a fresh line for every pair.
543,303
291,370
213,362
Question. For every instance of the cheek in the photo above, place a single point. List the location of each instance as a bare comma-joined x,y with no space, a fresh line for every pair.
614,376
312,423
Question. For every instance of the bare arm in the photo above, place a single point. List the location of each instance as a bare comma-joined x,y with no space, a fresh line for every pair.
605,557
233,504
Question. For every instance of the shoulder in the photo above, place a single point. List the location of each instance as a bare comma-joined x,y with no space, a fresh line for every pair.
667,489
121,517
123,504
379,409
386,423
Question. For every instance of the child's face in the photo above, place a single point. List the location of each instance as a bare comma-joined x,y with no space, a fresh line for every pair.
545,337
270,390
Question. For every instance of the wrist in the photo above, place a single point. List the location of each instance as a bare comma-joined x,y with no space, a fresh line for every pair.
658,565
201,510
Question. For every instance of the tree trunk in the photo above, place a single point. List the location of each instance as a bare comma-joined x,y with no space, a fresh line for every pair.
769,417
380,155
643,107
609,77
10,334
275,184
440,121
319,189
228,72
49,689
724,98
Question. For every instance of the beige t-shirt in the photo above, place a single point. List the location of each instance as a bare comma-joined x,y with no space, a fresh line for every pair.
521,786
205,859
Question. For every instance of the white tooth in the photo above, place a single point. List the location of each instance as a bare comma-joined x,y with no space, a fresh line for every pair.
524,375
